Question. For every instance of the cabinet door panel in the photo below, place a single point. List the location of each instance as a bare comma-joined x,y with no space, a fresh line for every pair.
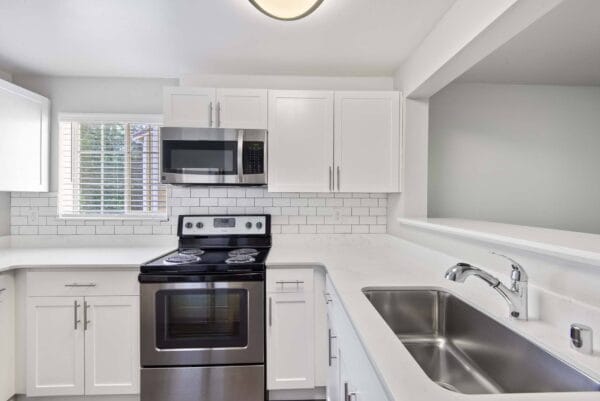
24,125
7,337
189,107
300,141
242,108
290,341
367,141
112,345
55,346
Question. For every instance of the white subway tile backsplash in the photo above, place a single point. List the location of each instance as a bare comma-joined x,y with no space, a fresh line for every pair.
305,213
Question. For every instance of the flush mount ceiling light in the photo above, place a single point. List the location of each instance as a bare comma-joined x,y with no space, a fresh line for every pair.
286,10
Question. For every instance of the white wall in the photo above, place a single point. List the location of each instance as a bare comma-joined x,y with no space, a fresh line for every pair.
5,196
289,82
93,95
518,154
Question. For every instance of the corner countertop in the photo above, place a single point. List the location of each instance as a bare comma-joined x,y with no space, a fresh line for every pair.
353,263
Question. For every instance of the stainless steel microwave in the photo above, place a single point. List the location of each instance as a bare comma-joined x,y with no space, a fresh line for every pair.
213,156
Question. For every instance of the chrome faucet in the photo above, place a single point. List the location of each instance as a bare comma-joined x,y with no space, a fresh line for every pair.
516,295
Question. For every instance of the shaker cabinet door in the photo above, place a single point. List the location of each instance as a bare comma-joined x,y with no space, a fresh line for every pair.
55,346
112,359
290,341
24,151
367,141
241,108
300,141
189,107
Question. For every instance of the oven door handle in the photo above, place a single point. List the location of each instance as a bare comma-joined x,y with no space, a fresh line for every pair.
240,156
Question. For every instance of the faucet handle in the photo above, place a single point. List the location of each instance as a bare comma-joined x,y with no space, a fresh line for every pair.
518,272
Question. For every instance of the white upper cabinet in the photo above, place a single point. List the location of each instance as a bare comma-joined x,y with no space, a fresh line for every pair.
367,141
215,108
189,106
24,125
300,141
241,108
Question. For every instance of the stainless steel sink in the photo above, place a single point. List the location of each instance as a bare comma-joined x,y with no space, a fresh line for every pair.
464,350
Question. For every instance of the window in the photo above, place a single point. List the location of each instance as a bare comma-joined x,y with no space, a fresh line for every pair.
110,167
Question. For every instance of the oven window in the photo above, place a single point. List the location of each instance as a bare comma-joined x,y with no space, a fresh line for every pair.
200,157
210,318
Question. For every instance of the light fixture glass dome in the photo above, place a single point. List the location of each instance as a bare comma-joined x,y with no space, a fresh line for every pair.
286,9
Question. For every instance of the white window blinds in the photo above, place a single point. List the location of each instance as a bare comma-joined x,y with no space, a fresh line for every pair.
109,167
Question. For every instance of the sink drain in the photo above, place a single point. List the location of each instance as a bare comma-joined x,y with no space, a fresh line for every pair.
448,386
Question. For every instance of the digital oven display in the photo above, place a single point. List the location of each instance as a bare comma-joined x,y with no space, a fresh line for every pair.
224,222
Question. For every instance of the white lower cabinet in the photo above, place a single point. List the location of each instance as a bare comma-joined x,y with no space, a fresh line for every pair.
7,337
55,346
80,344
112,345
351,376
290,329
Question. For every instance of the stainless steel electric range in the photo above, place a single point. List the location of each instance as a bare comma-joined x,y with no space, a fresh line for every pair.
202,312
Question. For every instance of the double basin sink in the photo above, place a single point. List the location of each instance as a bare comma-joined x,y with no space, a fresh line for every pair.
464,350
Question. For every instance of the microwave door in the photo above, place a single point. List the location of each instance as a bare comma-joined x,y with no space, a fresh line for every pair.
201,161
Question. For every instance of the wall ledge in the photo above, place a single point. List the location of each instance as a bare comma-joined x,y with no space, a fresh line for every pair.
568,245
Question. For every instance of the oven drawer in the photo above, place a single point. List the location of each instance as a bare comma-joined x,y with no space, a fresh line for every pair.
290,280
223,383
82,283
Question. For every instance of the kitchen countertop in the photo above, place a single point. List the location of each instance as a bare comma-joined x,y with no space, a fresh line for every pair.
353,263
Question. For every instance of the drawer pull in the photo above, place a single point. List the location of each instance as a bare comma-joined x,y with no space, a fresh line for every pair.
76,285
270,311
297,283
2,289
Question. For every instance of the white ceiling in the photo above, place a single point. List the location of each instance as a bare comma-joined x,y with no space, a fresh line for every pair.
562,48
169,38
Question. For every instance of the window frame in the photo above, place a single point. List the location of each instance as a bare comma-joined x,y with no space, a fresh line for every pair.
104,118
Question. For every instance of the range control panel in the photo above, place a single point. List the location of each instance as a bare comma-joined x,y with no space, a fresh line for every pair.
223,225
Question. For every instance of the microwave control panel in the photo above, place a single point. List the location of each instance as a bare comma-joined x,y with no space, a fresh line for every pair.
253,157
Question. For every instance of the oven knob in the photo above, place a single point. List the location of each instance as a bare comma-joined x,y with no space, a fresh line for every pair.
248,225
199,225
259,225
188,225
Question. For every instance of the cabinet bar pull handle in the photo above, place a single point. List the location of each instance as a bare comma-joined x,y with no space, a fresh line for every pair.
270,312
75,314
330,178
331,357
218,114
2,289
86,322
348,395
296,282
210,118
80,285
338,177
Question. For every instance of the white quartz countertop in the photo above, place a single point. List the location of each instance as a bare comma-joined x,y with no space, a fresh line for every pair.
356,262
80,251
353,263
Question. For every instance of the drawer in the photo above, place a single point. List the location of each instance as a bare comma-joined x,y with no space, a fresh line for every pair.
290,280
82,283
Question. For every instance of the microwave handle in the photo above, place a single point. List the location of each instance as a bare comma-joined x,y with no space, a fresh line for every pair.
240,156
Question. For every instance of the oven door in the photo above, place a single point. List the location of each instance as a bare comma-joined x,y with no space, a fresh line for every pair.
203,156
202,323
